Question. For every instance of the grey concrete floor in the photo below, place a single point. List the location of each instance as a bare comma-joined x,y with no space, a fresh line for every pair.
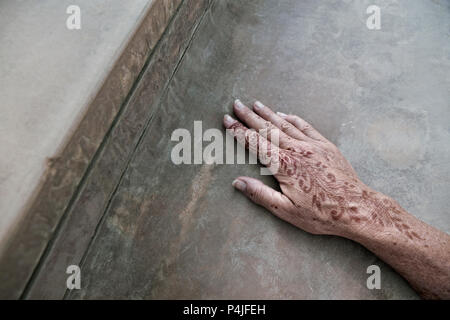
181,231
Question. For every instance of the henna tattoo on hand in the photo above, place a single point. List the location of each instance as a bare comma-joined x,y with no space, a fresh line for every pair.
336,196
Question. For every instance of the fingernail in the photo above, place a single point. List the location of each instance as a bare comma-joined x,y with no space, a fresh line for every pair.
228,120
258,105
238,104
281,114
239,184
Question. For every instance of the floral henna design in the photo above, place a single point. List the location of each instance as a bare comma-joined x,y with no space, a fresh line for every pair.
328,194
335,196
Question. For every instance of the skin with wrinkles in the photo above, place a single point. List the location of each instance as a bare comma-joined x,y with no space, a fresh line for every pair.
322,194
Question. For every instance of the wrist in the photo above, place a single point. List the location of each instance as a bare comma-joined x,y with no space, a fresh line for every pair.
375,217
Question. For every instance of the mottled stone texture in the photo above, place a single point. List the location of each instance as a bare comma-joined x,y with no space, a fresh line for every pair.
65,172
78,227
382,96
171,231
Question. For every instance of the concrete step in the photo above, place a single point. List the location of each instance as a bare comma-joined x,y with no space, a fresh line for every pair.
61,90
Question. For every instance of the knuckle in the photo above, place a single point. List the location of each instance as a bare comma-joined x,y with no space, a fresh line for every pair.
256,194
285,126
306,127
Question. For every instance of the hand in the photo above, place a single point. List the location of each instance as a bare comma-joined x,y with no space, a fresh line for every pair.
321,192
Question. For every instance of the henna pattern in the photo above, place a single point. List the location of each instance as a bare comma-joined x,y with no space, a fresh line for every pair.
339,198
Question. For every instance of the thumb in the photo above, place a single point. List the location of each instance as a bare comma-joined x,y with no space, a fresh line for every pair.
258,192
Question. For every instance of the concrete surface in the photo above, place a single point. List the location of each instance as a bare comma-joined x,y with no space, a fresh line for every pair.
74,234
168,231
61,92
382,96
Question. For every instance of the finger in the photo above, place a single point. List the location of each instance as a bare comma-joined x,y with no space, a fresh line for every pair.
254,121
258,192
303,126
266,151
285,126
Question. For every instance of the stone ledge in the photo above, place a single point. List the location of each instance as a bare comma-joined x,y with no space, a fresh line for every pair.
73,237
28,232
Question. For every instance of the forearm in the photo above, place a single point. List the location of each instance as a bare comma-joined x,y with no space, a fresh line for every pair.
419,252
